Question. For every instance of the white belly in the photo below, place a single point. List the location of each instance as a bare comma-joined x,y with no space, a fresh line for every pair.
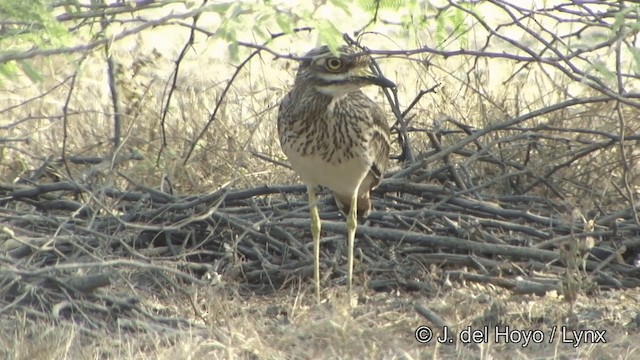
341,178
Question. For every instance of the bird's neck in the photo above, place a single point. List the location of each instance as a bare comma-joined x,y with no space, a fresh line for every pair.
336,92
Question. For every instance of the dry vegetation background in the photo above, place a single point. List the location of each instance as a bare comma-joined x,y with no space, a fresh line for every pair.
147,210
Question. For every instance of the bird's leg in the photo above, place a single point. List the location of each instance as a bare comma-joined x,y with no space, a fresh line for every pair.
315,232
352,223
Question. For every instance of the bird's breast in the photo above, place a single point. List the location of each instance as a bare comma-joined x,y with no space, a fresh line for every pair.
334,134
341,178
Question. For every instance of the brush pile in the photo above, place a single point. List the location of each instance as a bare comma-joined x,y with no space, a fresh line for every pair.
64,243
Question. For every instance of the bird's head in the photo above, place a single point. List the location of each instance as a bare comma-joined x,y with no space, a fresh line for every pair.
338,75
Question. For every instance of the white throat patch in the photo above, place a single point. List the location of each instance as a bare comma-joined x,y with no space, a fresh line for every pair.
339,88
335,90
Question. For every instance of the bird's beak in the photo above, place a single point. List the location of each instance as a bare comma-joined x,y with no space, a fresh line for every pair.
377,80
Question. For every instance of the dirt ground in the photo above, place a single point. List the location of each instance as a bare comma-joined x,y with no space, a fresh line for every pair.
290,324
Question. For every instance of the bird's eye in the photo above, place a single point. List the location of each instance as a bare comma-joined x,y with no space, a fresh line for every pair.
333,64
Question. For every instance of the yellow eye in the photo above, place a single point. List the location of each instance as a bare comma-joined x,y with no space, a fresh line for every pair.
333,64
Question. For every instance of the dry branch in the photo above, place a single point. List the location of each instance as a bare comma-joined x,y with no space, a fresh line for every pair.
260,239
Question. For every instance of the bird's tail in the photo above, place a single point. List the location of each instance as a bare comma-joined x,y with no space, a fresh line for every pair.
344,204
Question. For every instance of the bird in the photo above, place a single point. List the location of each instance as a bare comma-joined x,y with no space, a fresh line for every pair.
335,136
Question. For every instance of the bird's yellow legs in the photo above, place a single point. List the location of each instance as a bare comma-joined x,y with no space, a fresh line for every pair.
352,224
315,232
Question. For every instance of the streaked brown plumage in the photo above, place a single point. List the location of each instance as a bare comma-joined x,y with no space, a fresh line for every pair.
335,136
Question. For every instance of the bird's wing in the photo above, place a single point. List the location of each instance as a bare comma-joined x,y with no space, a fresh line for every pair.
380,145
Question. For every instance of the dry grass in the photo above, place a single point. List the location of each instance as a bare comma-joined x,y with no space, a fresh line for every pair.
290,325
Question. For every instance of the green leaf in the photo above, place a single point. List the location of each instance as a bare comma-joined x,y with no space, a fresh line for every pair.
342,5
621,17
440,31
220,8
370,5
260,32
237,10
329,35
603,70
30,71
35,24
222,33
284,22
8,70
234,51
458,18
